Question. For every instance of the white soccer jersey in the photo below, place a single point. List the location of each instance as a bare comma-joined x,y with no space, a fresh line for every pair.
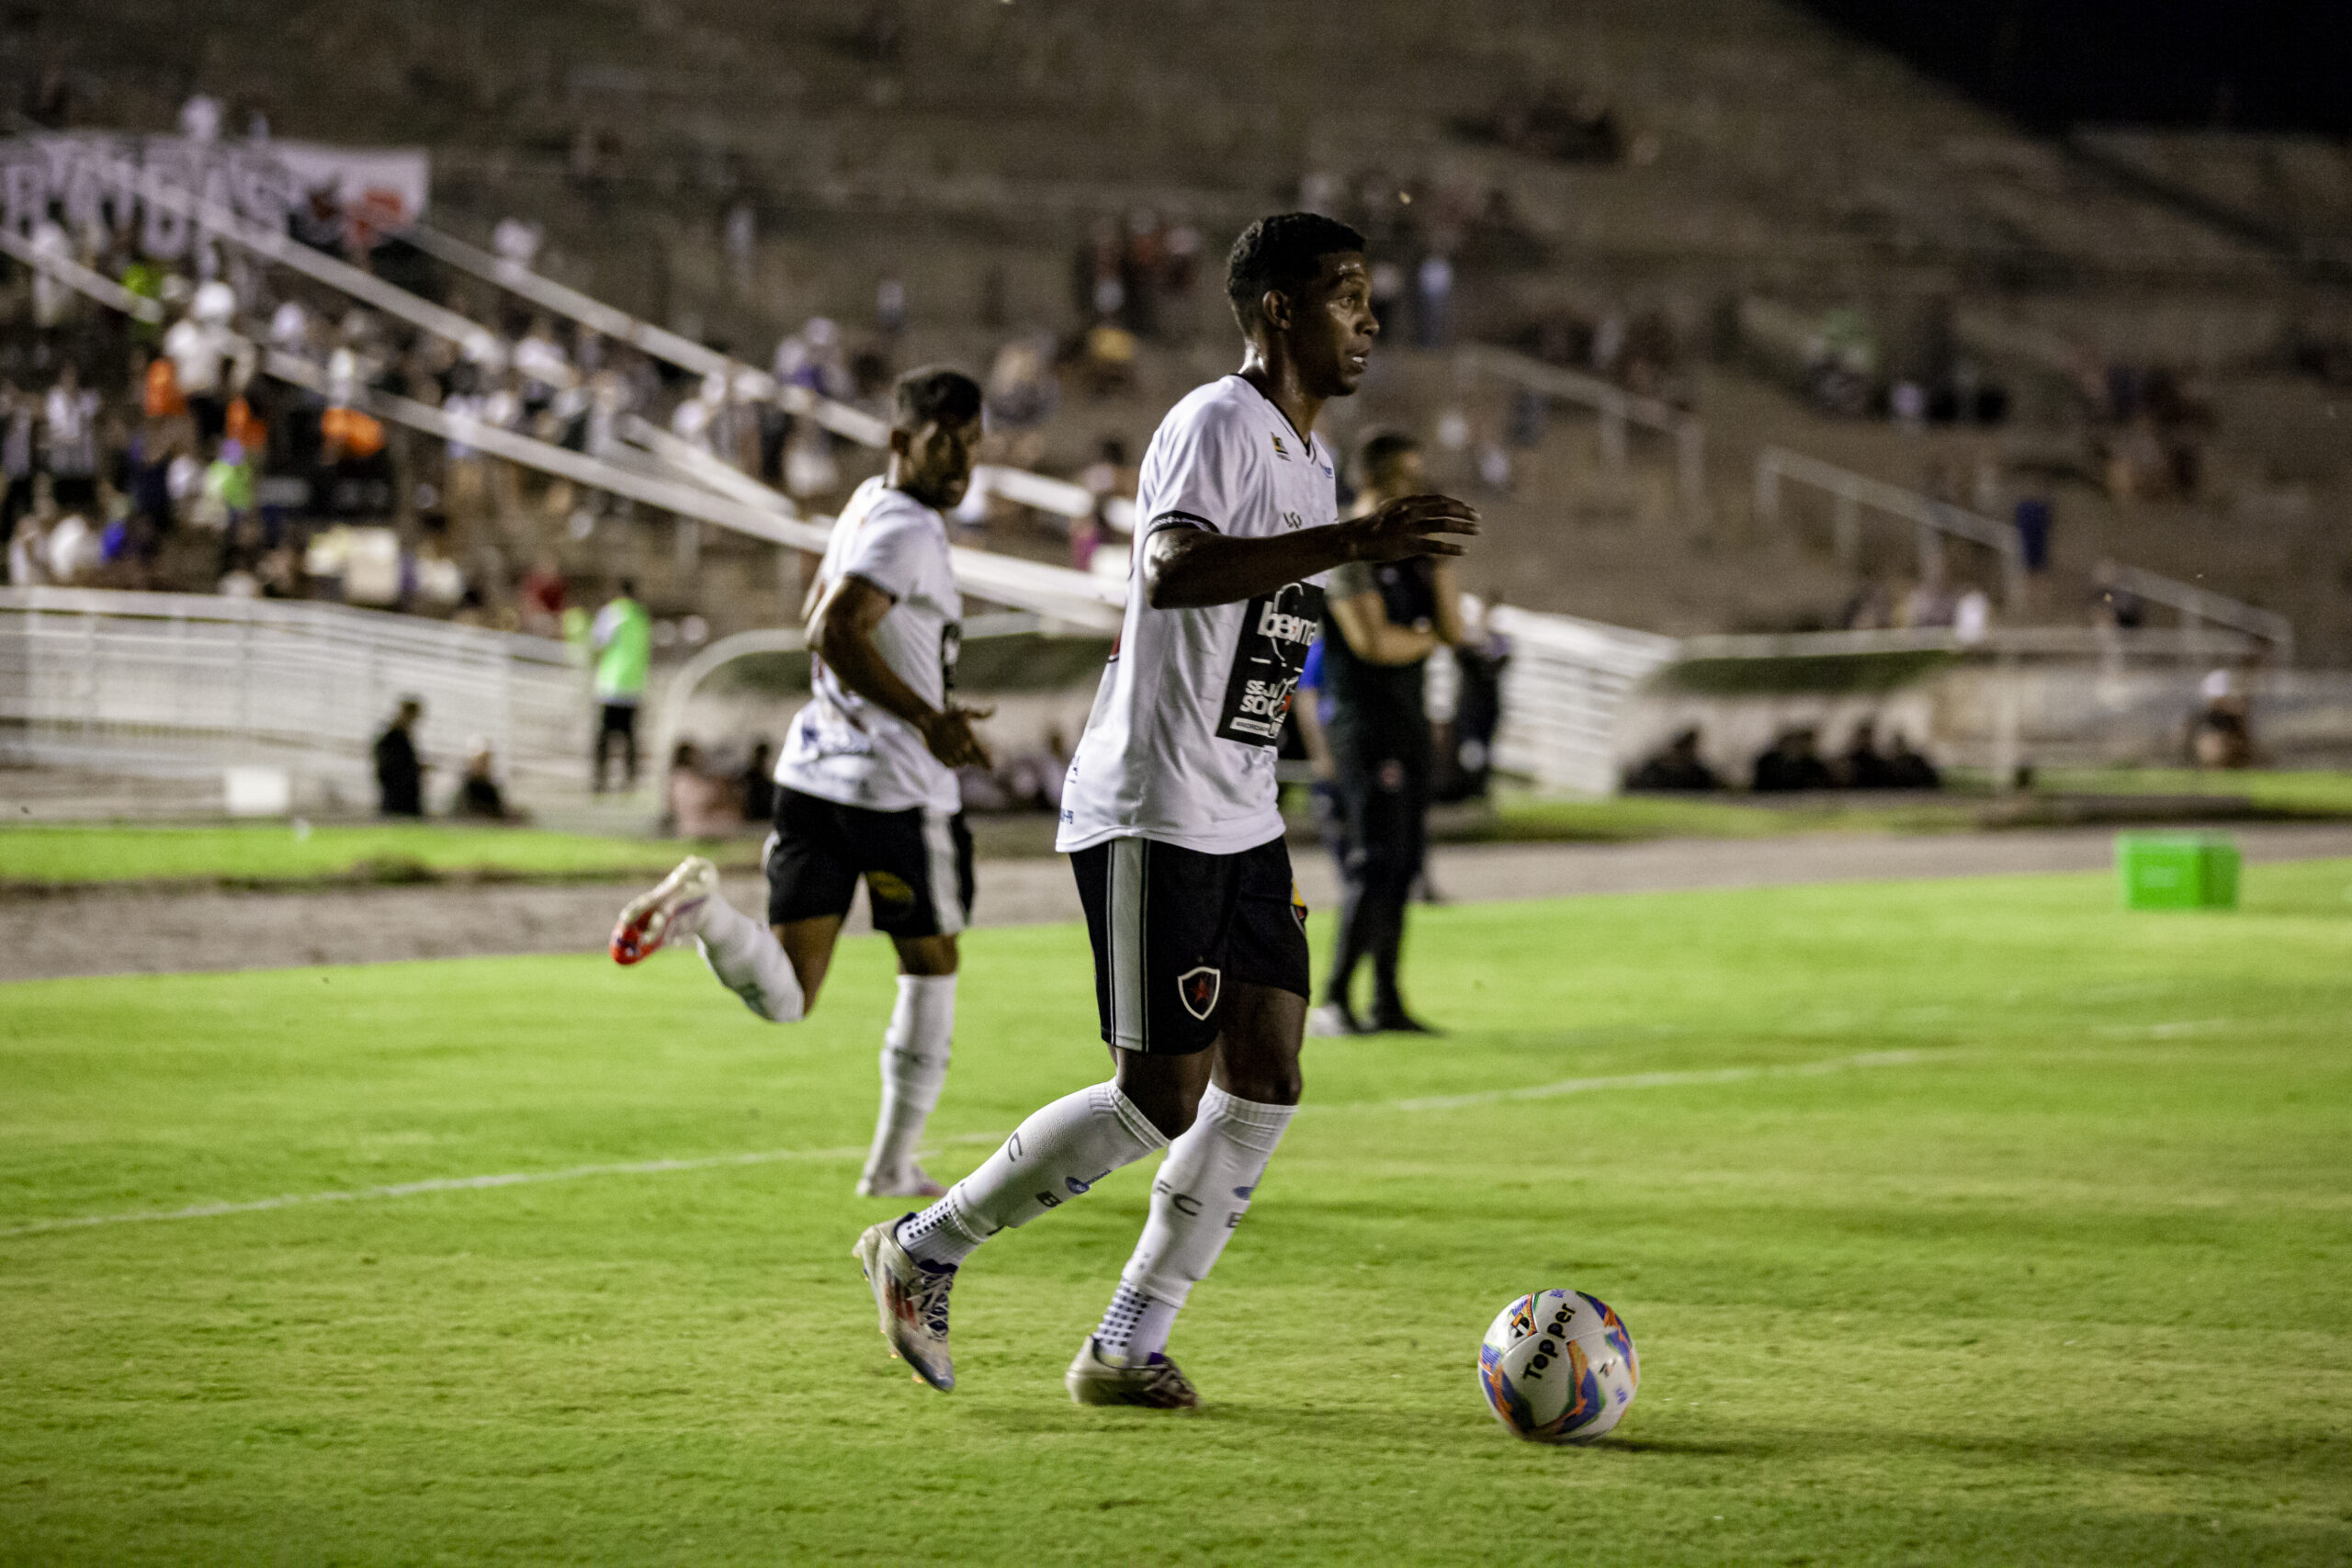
1180,748
841,747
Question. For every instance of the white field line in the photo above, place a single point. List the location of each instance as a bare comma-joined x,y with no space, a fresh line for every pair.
1669,1080
772,1156
459,1184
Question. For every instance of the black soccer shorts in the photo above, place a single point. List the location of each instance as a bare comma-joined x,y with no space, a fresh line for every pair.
1172,929
917,864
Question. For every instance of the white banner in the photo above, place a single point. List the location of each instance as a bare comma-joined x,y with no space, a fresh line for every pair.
90,180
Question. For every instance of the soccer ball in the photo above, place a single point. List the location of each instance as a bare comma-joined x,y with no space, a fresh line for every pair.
1558,1367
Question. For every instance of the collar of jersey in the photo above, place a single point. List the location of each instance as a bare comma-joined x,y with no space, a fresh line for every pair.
1307,440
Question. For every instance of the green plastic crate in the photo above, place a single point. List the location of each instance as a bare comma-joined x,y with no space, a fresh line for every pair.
2178,871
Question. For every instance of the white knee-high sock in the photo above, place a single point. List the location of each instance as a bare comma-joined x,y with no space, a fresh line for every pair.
914,1065
748,961
1054,1155
1200,1193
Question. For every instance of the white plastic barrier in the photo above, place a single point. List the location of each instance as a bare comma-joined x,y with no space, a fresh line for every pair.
1564,688
183,684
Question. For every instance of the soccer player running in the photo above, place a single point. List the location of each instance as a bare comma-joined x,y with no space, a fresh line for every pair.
866,784
1381,624
1201,971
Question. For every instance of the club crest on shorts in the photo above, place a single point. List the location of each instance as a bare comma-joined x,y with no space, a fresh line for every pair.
1198,989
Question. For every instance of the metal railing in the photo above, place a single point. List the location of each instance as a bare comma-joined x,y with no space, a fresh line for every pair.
1853,495
179,684
2196,606
1617,409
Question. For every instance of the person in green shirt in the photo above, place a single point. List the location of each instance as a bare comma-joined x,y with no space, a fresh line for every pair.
622,640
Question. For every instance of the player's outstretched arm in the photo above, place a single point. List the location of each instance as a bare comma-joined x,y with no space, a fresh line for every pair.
841,631
1188,568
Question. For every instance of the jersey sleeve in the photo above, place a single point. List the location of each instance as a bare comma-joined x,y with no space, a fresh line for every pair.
1208,475
891,548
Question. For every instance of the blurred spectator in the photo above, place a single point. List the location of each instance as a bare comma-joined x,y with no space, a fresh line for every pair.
890,305
1792,763
1861,766
2032,518
209,361
399,775
76,548
2222,736
1677,766
622,638
201,118
700,805
1022,391
53,298
70,440
228,489
480,796
1032,777
742,245
1434,298
539,598
1463,772
517,241
29,550
759,784
19,412
1906,769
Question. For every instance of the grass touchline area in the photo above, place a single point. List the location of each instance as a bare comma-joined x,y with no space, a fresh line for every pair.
1967,1311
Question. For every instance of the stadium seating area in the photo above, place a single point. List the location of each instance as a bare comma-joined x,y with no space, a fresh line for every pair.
1724,205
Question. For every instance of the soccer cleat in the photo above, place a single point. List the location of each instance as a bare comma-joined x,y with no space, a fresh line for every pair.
646,922
1155,1384
911,1182
1400,1023
1332,1020
911,1298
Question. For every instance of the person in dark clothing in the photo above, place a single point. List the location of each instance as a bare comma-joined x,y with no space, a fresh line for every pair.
759,784
399,776
1678,766
1381,623
1906,769
1792,763
1477,715
1862,766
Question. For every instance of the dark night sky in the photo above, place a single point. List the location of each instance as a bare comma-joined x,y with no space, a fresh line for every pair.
2252,64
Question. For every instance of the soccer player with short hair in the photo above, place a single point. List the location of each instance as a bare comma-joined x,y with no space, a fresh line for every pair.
1170,817
867,782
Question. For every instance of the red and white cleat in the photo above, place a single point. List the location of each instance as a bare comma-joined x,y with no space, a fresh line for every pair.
647,921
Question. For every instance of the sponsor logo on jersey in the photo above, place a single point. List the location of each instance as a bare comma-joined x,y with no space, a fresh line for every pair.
1291,520
1277,629
1198,988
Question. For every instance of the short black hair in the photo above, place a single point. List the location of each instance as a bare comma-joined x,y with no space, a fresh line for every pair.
935,393
1379,450
1279,252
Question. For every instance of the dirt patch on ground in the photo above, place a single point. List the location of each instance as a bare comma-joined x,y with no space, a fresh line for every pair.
118,932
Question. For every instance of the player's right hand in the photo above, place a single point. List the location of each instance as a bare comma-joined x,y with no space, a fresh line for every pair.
949,735
1412,525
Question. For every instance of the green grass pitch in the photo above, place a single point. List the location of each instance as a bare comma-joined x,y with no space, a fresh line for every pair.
1961,1221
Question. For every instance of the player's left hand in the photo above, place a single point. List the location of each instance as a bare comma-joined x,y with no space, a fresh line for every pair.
949,735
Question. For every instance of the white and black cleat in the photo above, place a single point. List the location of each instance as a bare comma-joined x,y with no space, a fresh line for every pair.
1154,1383
911,1298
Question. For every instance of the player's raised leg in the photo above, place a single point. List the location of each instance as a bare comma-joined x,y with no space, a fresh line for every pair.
746,954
